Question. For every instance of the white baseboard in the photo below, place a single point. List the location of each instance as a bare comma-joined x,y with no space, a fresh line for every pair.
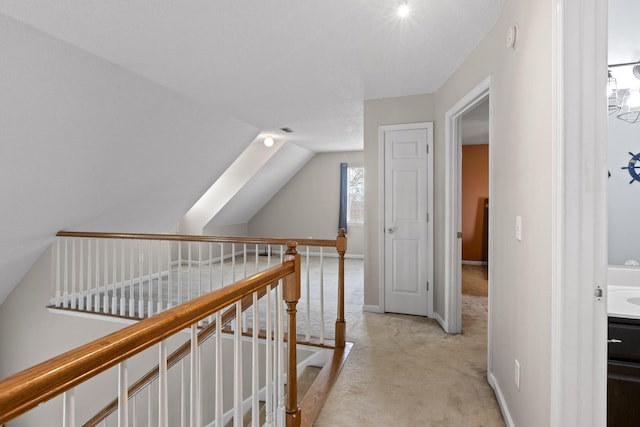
475,262
443,323
372,308
501,402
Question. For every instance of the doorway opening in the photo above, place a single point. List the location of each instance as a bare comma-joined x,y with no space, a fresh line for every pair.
477,102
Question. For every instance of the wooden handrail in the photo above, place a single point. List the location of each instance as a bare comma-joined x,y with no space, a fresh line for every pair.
27,389
195,238
179,354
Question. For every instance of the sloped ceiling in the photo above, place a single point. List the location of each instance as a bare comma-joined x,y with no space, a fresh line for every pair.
305,64
119,115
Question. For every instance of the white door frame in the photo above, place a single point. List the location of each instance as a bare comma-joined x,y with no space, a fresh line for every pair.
579,218
381,235
452,322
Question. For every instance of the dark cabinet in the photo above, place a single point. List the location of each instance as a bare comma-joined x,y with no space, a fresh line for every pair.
623,376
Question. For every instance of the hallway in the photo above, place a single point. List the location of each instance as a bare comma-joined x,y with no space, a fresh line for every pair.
405,371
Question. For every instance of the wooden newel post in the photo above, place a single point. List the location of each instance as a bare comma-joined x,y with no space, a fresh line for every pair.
291,295
341,326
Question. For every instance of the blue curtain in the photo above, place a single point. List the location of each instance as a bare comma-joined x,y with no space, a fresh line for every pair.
342,220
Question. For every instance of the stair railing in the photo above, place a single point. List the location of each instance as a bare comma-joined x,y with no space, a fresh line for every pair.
137,275
25,390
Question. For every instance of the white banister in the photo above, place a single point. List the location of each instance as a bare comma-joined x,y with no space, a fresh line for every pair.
123,303
123,398
321,296
150,283
194,394
170,279
237,371
280,412
218,369
269,348
180,273
308,299
255,365
159,307
89,275
114,296
183,396
163,394
65,294
96,305
69,409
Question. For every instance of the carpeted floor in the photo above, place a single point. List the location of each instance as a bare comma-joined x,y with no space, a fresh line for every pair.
405,371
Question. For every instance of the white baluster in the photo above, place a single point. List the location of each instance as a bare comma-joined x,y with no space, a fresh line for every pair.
160,293
255,367
257,255
123,301
123,395
69,408
183,396
189,278
195,379
269,360
218,368
114,297
321,295
210,267
200,268
56,251
105,270
233,263
179,273
150,302
89,275
237,378
73,274
280,414
308,296
245,323
149,407
140,281
170,280
96,305
163,395
132,289
81,278
134,409
221,265
65,294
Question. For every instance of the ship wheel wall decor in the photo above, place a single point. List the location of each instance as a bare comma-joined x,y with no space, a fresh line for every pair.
632,168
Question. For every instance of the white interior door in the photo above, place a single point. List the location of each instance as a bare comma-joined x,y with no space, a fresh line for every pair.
408,258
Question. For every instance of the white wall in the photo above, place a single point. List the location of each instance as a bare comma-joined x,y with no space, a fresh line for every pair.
307,206
624,198
522,149
88,145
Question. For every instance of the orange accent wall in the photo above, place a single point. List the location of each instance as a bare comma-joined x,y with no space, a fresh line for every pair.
475,193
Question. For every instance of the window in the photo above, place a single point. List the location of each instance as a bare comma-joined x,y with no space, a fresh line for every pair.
355,195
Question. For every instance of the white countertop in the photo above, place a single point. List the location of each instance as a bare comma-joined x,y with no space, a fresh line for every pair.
623,301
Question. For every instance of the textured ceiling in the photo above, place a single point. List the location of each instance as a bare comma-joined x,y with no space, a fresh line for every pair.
303,64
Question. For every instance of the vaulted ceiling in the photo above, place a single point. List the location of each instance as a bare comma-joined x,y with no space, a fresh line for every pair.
305,64
118,115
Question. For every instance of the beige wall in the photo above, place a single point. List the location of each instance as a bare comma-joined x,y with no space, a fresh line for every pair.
522,149
378,112
307,206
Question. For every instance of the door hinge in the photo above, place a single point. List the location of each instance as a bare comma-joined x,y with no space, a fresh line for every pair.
427,286
427,148
427,216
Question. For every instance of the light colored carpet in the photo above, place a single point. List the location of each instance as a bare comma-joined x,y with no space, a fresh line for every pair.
405,371
474,280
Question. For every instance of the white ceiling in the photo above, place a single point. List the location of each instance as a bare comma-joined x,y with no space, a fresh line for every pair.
303,64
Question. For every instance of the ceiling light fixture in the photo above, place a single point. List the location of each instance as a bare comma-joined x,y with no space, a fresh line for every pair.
403,9
268,141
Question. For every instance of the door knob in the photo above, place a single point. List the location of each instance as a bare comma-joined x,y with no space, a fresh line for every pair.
391,230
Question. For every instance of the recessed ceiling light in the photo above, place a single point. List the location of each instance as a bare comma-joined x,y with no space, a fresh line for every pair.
268,141
403,9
